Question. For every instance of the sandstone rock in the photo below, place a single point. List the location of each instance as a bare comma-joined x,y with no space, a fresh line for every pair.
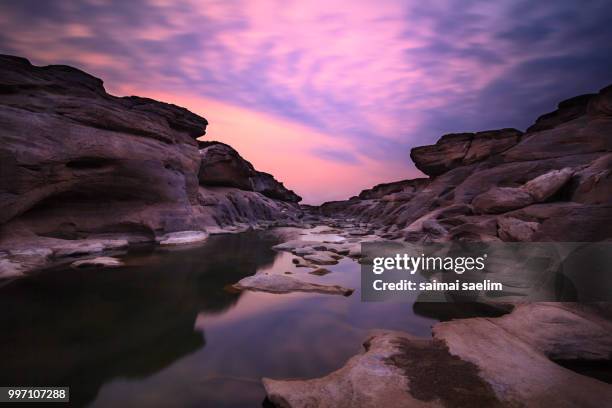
504,361
513,229
275,283
323,258
528,338
99,262
458,149
72,155
66,248
77,163
567,110
223,166
594,183
502,199
183,237
404,186
543,187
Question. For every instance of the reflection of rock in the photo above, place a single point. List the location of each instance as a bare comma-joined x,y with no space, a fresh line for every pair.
475,362
99,262
274,283
183,237
129,324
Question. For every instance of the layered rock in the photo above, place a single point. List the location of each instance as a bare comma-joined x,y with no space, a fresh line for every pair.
79,164
556,178
223,166
459,149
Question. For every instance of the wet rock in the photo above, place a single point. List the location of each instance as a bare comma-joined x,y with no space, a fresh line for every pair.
275,283
183,237
99,262
323,258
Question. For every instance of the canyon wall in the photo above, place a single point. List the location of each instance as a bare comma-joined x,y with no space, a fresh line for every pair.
552,183
79,164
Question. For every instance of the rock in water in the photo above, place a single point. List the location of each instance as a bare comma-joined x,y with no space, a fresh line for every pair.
503,361
183,237
274,283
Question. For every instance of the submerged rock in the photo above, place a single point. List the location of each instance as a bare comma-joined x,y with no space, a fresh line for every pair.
275,283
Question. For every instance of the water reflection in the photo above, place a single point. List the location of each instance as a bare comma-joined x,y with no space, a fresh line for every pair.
84,327
162,331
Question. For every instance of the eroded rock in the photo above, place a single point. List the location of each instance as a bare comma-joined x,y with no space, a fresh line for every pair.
276,283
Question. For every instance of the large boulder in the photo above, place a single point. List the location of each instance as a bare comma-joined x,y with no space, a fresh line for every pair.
221,165
502,199
458,149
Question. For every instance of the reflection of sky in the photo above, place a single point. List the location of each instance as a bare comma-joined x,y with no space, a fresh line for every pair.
329,96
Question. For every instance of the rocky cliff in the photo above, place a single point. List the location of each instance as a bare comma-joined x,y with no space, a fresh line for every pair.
82,170
553,182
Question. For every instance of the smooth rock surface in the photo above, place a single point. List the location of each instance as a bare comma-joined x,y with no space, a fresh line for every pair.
275,283
99,262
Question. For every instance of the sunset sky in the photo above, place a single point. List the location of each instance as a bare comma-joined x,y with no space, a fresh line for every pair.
329,96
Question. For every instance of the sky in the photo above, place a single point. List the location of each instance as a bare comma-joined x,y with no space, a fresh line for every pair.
329,96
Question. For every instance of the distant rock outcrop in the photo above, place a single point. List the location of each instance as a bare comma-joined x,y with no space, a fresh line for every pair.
223,166
77,163
554,182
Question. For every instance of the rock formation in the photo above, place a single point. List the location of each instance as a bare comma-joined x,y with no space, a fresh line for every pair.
555,180
79,165
552,183
504,361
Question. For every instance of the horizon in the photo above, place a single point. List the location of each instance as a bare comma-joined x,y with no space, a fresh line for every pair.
329,100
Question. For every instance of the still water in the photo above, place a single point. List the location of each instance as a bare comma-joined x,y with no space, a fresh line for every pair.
162,331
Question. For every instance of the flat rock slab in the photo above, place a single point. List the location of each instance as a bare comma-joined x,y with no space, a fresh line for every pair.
503,361
99,262
323,258
183,237
274,283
